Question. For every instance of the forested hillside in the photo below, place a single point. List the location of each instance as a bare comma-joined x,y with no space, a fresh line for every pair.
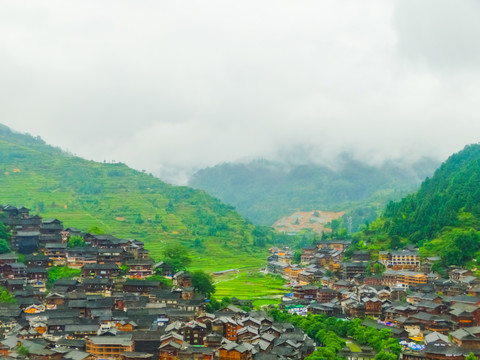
265,191
125,202
443,215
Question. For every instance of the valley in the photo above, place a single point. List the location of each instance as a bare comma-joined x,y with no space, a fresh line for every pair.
265,191
104,227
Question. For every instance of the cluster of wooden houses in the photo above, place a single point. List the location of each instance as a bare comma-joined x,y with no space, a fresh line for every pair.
406,297
110,311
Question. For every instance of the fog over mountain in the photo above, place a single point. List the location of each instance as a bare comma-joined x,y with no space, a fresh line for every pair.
172,87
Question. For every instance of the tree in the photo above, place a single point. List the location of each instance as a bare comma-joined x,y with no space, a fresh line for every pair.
368,269
4,248
177,257
76,241
198,243
166,283
57,272
124,269
378,268
4,234
139,219
23,350
335,225
471,356
95,230
40,206
395,242
438,268
7,297
170,207
203,283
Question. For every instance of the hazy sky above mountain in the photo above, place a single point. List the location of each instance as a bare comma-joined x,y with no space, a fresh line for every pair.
169,86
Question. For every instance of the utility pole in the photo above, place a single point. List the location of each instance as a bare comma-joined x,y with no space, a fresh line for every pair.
349,224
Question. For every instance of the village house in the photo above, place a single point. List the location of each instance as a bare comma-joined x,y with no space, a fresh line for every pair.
292,271
56,253
234,351
325,294
195,333
78,257
182,279
350,270
25,242
141,286
459,273
305,292
308,254
110,256
373,307
109,346
134,355
37,260
275,267
226,327
400,260
37,276
100,271
140,268
340,245
50,231
96,285
361,256
403,278
465,315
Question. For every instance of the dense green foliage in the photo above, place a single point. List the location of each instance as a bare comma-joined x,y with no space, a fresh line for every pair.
61,272
4,239
6,296
452,190
127,203
443,216
4,234
214,305
177,257
4,247
203,283
329,332
23,350
471,356
76,241
266,191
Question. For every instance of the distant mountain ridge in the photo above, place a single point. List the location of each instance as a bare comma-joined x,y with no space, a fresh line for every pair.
125,202
265,191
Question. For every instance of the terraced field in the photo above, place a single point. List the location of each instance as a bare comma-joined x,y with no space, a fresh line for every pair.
251,284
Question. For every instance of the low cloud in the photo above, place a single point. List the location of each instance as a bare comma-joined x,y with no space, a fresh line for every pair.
171,87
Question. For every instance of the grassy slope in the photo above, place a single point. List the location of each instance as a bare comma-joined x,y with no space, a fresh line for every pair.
84,193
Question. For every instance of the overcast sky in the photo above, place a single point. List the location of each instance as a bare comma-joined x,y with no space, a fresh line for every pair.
170,86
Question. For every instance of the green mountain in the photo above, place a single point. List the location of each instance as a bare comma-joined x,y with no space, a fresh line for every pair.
265,191
443,216
126,203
